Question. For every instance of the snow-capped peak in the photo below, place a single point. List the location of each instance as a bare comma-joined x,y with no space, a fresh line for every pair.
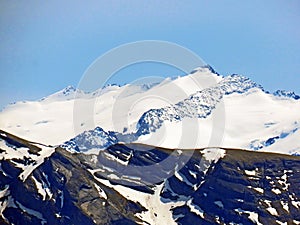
90,140
69,90
254,117
206,68
67,93
237,83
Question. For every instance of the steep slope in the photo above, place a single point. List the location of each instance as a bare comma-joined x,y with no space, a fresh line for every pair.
140,184
59,191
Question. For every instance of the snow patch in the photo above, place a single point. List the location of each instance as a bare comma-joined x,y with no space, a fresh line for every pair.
276,191
149,201
285,206
250,172
40,188
31,161
213,154
102,194
253,216
195,209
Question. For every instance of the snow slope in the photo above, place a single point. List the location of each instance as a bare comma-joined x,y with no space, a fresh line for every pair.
252,120
22,156
113,108
202,109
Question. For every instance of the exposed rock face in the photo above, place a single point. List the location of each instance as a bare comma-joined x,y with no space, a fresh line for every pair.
60,191
287,94
198,105
243,186
212,186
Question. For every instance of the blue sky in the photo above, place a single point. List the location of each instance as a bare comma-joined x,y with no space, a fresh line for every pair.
45,46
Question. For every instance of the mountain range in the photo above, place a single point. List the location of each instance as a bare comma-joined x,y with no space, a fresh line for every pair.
47,185
222,111
197,149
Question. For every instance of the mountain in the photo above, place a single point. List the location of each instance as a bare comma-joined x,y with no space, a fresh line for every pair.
253,118
90,141
198,105
68,93
249,118
197,149
287,94
57,110
140,184
224,111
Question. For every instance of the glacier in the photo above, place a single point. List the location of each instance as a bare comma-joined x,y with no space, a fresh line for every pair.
245,115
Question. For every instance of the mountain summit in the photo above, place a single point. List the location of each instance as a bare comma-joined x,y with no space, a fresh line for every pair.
206,67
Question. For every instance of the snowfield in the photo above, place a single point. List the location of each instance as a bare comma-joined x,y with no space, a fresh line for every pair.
201,109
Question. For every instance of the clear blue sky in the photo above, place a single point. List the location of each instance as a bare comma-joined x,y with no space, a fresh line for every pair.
47,45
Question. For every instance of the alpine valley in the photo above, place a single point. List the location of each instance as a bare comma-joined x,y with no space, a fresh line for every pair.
197,149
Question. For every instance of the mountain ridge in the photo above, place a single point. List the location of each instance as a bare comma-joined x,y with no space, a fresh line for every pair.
235,187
